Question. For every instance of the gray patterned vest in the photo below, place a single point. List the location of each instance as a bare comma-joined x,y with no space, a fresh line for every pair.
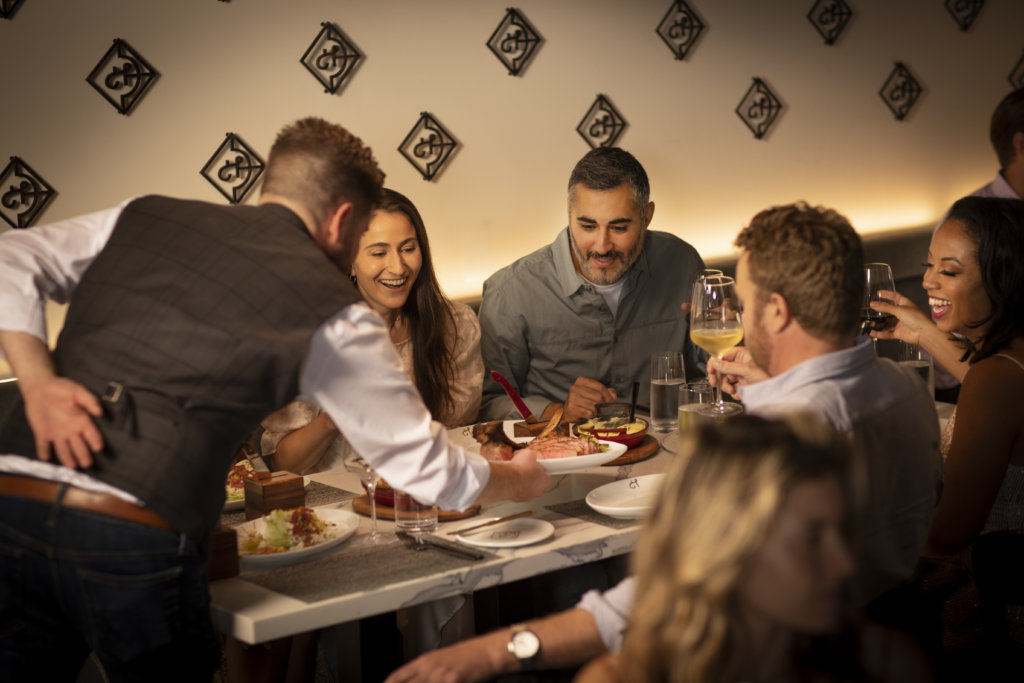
193,322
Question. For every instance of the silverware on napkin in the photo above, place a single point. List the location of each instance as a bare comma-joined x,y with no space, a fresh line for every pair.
420,542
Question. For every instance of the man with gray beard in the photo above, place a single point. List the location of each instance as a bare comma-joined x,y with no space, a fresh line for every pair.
575,322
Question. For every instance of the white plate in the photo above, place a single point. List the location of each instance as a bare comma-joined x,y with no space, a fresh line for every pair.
234,505
463,436
581,463
627,498
510,534
345,523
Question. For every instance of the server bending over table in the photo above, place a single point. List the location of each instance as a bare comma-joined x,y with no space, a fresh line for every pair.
187,323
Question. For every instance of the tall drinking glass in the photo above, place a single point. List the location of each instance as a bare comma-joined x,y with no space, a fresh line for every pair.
368,477
695,399
715,325
667,376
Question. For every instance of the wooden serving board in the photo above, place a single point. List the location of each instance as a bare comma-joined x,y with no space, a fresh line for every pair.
362,506
648,447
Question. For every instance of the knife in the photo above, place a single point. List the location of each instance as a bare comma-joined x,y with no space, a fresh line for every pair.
519,403
499,520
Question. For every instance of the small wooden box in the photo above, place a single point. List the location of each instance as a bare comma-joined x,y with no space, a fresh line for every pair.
272,490
223,553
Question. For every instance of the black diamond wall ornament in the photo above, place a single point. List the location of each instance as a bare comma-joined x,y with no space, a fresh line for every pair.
122,76
8,8
1017,75
680,28
331,57
900,91
602,125
514,42
233,169
428,146
964,12
23,194
759,108
830,17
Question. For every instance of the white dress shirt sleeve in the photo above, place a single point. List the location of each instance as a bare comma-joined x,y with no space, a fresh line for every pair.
355,375
47,262
611,611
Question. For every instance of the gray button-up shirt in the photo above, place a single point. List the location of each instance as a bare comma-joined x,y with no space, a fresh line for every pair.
543,325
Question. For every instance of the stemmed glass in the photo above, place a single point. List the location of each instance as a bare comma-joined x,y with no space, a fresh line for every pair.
877,276
715,326
369,478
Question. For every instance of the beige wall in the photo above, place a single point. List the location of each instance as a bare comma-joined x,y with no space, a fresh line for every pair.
234,66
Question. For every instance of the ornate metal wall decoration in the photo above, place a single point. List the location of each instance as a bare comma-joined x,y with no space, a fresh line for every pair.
23,194
428,146
1017,75
830,17
8,8
514,42
331,57
122,76
900,91
759,108
680,28
602,125
964,12
233,169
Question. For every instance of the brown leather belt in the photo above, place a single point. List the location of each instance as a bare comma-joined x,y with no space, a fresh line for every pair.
80,499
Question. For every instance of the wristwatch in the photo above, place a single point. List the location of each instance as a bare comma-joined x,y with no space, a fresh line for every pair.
524,645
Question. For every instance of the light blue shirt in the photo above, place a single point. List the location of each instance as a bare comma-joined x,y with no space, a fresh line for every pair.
886,410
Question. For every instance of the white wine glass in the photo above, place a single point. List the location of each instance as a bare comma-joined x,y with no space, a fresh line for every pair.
369,478
877,277
715,326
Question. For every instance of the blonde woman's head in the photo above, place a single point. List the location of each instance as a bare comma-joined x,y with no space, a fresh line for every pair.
749,533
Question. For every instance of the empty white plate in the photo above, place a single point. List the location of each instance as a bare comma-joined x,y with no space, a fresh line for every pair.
510,534
627,498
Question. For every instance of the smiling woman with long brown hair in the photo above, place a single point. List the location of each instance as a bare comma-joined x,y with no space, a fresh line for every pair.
437,340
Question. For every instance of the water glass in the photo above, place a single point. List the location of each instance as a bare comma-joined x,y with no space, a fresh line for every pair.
413,517
667,376
915,357
695,400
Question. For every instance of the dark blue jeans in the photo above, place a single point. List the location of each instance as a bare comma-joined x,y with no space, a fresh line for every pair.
74,582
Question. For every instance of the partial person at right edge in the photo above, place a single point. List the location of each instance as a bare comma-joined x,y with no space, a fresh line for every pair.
975,283
576,322
1006,132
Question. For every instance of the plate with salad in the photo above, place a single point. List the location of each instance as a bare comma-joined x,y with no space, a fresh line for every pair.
289,536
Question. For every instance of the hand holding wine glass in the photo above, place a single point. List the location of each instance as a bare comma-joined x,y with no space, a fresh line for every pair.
715,324
877,279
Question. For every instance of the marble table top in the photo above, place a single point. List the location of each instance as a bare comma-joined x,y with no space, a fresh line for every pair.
357,581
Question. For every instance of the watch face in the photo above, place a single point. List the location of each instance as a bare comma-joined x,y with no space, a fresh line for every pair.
525,644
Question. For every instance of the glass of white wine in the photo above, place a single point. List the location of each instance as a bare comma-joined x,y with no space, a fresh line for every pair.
715,325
